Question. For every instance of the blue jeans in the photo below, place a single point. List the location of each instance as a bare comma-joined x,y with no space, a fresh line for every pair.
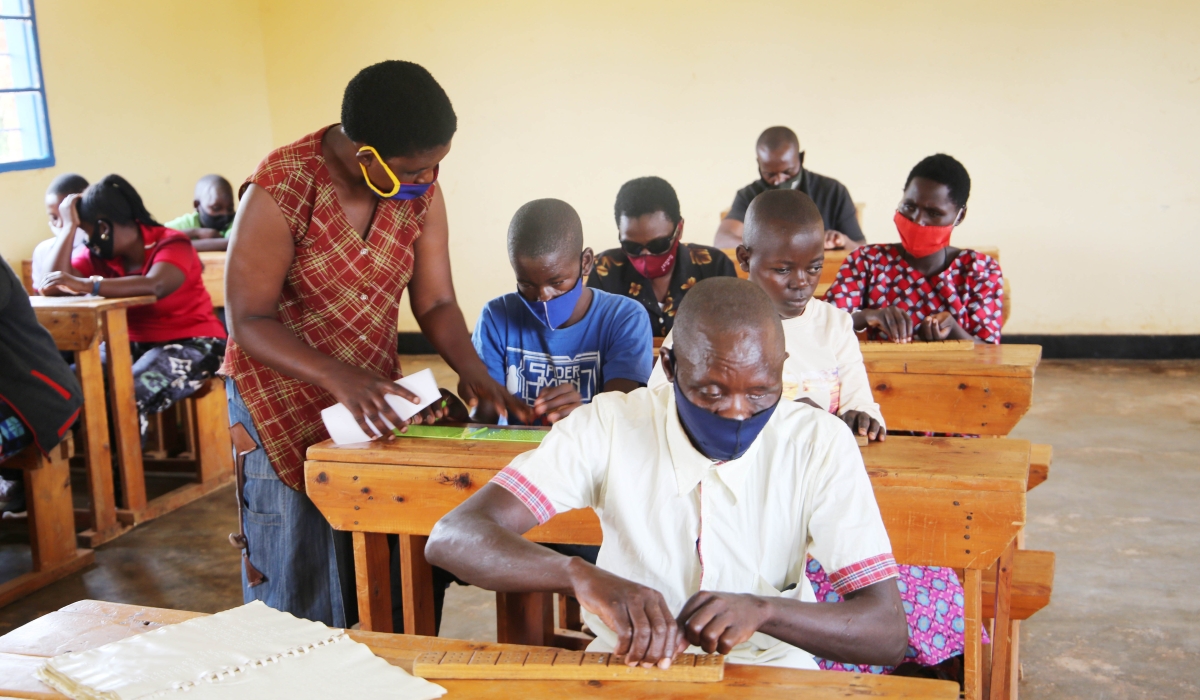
308,566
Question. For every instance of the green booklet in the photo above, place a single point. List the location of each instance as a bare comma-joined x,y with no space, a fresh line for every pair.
473,432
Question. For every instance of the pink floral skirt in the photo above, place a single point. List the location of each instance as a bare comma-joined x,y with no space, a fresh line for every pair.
933,604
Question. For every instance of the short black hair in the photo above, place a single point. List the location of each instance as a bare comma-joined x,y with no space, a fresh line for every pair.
114,200
778,212
647,195
544,227
397,108
947,171
719,305
66,184
777,137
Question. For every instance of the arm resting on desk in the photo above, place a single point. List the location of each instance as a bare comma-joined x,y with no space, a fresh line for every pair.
480,542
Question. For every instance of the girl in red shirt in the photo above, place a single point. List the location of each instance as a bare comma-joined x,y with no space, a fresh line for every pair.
177,342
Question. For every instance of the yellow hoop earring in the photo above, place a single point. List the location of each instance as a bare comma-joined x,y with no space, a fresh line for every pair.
386,169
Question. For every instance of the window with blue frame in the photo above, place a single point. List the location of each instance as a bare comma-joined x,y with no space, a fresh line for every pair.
24,126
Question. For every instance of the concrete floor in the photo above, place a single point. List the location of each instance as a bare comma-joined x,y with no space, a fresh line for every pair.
1120,511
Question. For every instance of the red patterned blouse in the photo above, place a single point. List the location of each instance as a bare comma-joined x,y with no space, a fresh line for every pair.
971,289
341,296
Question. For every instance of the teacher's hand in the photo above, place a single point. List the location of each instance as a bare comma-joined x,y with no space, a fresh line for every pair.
363,393
480,390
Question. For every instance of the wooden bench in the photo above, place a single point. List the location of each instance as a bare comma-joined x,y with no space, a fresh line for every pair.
1040,457
89,624
210,454
80,324
954,502
51,520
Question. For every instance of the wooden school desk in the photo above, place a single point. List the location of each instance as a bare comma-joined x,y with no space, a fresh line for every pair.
80,324
89,624
981,391
956,502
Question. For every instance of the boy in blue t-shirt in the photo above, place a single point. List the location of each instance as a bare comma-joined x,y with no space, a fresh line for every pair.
556,343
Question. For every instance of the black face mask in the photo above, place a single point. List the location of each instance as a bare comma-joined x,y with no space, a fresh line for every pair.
217,223
101,244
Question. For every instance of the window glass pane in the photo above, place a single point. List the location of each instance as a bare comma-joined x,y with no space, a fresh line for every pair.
17,66
22,127
14,7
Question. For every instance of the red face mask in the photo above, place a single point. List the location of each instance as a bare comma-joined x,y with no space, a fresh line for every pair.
919,240
654,266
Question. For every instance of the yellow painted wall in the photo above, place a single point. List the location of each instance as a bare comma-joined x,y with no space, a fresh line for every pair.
161,92
1076,120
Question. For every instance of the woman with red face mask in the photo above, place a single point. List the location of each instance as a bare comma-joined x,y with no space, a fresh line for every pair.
653,264
924,288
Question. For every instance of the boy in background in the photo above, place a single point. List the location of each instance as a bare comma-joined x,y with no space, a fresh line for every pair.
62,187
555,343
208,225
783,251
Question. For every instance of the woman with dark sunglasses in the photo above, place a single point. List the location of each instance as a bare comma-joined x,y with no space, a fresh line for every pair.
653,264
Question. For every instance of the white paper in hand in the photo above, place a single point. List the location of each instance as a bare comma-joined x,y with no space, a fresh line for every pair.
344,429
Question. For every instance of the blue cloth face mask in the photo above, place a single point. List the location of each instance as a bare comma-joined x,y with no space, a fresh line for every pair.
722,439
557,311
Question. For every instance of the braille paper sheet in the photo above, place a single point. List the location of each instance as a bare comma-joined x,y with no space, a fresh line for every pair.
247,653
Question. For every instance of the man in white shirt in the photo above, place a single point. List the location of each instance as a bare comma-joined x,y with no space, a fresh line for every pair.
43,254
783,253
711,492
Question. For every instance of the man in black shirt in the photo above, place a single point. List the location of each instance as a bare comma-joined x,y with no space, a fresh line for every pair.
653,265
781,166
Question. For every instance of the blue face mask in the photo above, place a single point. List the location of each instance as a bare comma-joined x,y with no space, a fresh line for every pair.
718,438
557,311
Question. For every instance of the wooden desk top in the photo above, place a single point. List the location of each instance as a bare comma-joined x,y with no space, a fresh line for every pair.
88,303
89,624
932,462
74,322
984,360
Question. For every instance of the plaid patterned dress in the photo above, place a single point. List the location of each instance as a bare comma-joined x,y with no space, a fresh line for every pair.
341,296
971,289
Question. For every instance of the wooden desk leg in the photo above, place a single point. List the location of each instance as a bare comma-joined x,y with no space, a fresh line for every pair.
972,646
124,410
525,618
99,453
212,443
1002,636
371,571
416,584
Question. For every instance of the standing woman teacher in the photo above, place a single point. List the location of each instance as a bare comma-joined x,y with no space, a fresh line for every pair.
331,231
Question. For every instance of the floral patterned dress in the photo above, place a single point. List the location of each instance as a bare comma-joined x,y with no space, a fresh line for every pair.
872,277
971,288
